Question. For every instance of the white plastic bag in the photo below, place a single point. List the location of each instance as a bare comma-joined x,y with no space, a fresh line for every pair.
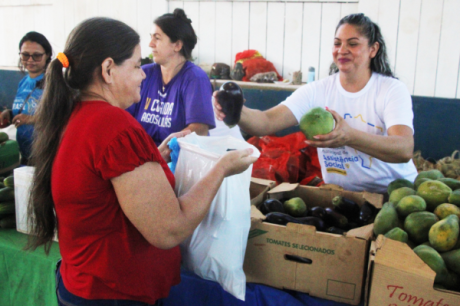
216,249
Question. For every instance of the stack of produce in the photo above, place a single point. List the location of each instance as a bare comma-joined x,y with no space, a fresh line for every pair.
7,206
343,215
425,215
449,165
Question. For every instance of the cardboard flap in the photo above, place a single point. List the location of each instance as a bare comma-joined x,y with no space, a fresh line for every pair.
284,187
374,198
364,232
263,182
406,260
331,187
301,228
256,214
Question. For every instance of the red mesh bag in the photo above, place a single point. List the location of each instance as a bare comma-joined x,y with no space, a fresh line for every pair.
286,159
253,62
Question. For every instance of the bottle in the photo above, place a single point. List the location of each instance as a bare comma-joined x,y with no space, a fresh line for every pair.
311,75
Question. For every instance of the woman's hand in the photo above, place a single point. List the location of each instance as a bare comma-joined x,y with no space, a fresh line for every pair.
339,137
21,119
235,162
164,148
5,117
217,108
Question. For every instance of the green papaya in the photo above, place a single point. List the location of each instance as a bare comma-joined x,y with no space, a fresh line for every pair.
446,209
432,174
452,183
443,235
419,181
295,207
434,193
452,281
418,224
454,197
3,137
386,219
398,183
410,204
6,194
400,193
9,181
434,260
397,234
452,260
317,121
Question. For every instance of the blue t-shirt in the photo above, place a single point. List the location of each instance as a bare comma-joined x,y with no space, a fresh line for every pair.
26,102
186,99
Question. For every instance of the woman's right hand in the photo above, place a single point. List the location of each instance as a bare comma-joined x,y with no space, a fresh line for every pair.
235,162
5,117
217,108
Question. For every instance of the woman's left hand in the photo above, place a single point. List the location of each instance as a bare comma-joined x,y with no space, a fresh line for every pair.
339,137
164,148
21,119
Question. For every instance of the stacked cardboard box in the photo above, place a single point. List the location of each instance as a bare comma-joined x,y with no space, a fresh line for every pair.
398,277
298,257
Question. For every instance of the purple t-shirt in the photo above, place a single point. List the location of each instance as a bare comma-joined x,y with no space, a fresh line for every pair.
185,100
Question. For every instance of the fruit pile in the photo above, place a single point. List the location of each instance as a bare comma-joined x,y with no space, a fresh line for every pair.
343,215
425,215
7,206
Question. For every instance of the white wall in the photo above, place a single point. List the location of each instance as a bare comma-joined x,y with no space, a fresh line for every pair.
422,36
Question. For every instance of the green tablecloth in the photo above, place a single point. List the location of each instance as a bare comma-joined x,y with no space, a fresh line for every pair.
26,278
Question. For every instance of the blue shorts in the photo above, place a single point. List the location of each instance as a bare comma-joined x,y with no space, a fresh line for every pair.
65,298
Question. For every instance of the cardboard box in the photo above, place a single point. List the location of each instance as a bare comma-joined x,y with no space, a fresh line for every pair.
398,277
259,188
297,257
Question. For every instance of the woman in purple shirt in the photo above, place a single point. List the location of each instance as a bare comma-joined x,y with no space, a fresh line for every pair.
176,94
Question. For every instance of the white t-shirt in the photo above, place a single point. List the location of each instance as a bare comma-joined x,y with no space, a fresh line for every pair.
382,103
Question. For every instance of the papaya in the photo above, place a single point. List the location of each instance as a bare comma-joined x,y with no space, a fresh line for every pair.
434,193
6,194
3,137
454,197
452,260
410,204
443,235
446,209
386,219
452,281
432,174
295,207
9,181
418,224
397,234
419,181
426,243
452,183
317,121
434,260
231,99
400,193
398,183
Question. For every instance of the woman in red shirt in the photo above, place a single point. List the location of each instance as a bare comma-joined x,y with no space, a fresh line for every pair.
101,180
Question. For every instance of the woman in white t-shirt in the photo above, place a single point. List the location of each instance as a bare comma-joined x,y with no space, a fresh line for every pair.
372,143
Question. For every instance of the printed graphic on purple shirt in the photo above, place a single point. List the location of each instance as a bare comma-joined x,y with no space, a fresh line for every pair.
167,109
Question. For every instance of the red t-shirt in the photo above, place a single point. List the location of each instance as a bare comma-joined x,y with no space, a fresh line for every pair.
103,255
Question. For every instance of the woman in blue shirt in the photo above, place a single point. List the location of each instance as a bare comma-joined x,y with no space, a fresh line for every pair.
34,56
